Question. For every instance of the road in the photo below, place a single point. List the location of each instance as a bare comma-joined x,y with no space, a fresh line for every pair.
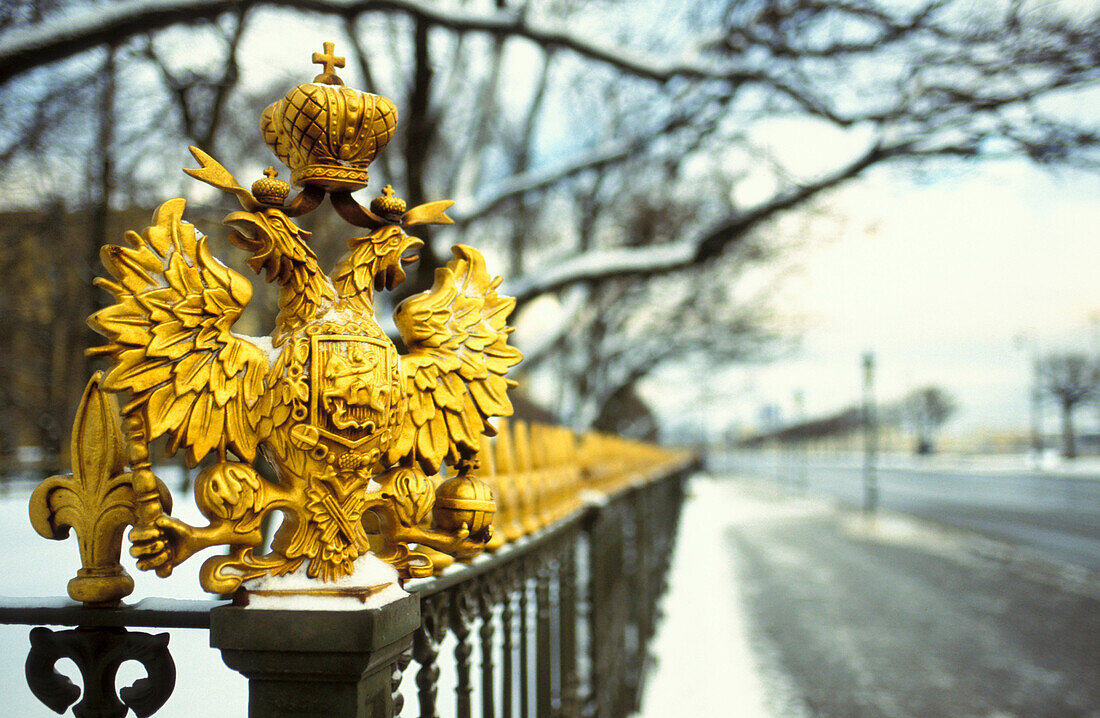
797,608
1053,516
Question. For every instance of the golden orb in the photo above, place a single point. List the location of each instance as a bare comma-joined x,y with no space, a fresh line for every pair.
464,500
270,190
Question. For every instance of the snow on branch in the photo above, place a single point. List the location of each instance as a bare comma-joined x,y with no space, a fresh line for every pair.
516,185
603,264
64,36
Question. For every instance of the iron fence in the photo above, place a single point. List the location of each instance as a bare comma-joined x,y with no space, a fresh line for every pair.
555,621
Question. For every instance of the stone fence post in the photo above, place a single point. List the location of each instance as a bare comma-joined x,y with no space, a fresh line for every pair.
303,663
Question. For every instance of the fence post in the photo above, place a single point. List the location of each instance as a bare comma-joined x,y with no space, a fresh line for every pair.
567,592
316,663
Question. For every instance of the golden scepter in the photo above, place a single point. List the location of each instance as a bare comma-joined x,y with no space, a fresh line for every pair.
147,504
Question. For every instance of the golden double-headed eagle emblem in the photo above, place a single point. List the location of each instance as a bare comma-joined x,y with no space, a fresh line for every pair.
354,431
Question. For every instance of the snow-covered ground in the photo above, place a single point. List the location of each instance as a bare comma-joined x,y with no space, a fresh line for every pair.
705,664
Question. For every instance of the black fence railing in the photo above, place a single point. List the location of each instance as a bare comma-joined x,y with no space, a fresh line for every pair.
560,622
555,622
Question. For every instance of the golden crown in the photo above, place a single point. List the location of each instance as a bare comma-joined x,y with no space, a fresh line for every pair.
326,133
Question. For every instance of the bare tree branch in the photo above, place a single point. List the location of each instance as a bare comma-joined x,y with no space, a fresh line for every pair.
62,37
649,261
673,116
609,153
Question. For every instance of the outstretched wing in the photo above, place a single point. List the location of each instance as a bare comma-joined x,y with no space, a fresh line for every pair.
169,338
457,335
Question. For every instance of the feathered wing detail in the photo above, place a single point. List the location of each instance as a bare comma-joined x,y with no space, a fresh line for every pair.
169,338
454,373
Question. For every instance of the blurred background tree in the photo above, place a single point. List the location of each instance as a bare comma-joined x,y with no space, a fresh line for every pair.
926,410
626,167
1070,379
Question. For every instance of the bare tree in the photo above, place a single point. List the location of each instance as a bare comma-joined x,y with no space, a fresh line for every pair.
1070,378
926,410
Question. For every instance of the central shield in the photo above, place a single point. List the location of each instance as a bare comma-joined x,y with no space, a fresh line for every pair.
351,388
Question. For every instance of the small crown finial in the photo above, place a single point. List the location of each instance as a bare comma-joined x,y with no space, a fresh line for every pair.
270,191
387,205
330,61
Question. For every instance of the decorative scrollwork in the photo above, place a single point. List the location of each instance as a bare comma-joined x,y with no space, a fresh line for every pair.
98,653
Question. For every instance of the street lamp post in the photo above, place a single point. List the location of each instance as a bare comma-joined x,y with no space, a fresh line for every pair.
1037,408
801,478
870,435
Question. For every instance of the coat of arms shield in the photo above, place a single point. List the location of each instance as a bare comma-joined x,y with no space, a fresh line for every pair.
352,387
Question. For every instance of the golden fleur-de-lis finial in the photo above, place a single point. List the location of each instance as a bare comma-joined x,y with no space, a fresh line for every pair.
330,61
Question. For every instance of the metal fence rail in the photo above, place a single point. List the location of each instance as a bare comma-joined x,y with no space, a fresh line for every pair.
559,622
553,621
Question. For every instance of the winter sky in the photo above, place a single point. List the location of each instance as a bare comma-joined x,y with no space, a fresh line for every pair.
938,273
936,269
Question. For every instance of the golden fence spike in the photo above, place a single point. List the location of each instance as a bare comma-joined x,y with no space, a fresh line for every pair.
511,500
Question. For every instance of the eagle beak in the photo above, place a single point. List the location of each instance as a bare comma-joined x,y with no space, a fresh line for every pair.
245,227
413,245
243,222
391,269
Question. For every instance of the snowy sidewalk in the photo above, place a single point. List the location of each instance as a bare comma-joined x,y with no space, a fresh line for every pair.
704,662
783,606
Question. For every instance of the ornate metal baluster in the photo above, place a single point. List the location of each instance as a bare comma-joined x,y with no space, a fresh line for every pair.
582,603
567,598
638,541
596,589
488,595
648,534
395,682
635,593
433,627
507,648
524,678
608,609
461,611
543,652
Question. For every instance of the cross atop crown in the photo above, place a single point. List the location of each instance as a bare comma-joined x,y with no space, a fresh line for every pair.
330,61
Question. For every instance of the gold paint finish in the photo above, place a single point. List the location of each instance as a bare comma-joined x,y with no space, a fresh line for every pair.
355,432
96,500
328,133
